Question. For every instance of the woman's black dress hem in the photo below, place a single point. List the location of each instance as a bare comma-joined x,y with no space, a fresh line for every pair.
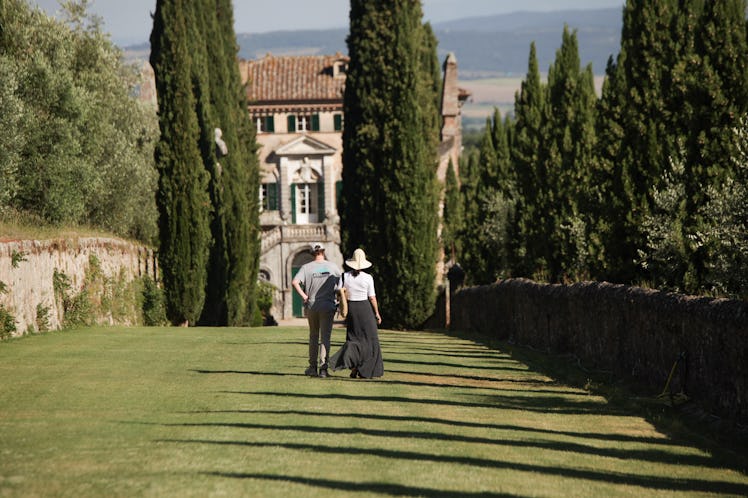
361,349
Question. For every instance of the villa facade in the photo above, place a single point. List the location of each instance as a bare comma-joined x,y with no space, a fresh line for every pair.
296,103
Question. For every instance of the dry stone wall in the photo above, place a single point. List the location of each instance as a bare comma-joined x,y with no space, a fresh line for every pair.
633,332
27,268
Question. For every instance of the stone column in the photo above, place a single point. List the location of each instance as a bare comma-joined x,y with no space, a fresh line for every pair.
284,191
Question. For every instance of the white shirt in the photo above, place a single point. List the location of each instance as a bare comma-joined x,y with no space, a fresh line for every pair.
359,287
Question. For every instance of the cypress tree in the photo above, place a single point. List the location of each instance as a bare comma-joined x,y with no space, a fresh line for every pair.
526,156
506,187
708,95
725,61
204,47
453,215
243,167
488,239
477,258
469,181
233,187
607,199
182,197
389,195
635,106
570,145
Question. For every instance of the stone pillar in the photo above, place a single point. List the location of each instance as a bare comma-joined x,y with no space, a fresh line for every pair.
284,191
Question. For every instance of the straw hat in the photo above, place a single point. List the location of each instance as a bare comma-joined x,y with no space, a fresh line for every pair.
358,261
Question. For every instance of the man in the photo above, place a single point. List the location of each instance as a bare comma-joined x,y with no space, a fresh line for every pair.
317,282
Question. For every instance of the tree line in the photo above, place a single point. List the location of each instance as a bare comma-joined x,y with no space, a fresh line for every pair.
645,184
77,149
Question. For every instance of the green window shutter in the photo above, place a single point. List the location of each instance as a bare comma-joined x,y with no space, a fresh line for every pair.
293,203
270,124
321,201
291,124
338,122
315,122
272,200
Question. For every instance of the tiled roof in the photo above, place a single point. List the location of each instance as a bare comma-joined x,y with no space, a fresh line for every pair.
294,79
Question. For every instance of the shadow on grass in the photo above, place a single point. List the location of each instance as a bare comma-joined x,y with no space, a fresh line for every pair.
642,481
457,423
344,377
727,447
499,359
247,372
475,377
457,365
360,487
659,456
557,405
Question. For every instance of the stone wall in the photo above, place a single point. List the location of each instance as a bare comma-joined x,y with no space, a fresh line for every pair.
635,333
27,268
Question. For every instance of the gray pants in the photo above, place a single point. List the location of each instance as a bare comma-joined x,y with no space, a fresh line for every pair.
320,324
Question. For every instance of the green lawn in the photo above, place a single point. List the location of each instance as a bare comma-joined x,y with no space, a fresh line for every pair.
228,412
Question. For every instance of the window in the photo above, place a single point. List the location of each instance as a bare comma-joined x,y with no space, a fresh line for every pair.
339,69
303,122
269,196
337,121
305,194
305,199
265,124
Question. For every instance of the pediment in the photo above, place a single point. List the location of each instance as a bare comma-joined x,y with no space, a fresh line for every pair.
305,145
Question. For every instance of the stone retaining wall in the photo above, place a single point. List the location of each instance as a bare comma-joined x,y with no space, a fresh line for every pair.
27,268
633,332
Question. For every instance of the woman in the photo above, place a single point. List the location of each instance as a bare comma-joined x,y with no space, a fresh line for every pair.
361,351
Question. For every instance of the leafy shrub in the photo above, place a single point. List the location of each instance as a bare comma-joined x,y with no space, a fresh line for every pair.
42,318
154,312
7,321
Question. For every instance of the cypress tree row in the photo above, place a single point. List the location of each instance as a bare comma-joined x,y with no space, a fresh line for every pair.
389,195
182,190
631,187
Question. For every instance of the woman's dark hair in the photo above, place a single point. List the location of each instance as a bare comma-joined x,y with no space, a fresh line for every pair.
355,272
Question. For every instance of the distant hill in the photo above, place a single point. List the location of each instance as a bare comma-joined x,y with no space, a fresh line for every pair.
491,51
485,46
500,45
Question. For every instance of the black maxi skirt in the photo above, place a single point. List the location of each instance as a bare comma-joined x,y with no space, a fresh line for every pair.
361,349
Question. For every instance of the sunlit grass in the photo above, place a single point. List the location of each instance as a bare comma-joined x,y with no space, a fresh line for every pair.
208,412
15,225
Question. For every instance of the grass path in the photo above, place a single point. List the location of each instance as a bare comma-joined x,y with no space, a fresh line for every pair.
228,412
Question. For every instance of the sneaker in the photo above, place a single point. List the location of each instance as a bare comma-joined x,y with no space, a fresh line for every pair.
311,372
323,372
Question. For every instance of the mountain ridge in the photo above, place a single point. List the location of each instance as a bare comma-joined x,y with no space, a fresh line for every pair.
485,47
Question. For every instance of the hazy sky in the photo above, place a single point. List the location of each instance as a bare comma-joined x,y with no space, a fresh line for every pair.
129,21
